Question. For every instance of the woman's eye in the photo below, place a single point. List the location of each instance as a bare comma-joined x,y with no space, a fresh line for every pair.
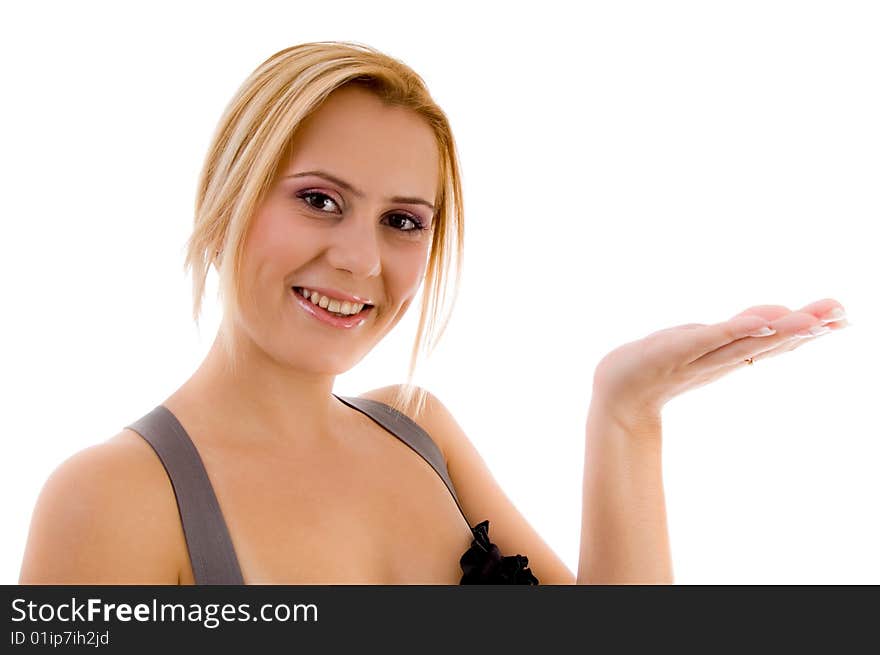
406,223
316,199
400,222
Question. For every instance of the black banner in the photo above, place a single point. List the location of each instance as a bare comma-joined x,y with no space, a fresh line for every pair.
129,619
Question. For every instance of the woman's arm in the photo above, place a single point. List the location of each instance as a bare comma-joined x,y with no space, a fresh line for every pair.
624,536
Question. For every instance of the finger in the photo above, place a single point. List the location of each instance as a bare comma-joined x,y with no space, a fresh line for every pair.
827,310
725,343
822,309
738,352
698,342
768,312
684,326
786,346
794,326
836,324
794,344
797,323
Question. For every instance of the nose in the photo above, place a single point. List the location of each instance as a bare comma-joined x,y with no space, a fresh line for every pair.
355,247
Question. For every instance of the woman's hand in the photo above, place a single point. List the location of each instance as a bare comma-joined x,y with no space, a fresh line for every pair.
634,381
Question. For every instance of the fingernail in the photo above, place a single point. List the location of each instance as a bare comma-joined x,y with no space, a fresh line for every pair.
834,315
763,332
814,331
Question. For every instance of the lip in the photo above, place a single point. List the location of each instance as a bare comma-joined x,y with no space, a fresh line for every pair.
326,317
333,293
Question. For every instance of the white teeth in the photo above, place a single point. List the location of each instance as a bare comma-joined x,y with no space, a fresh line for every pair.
337,306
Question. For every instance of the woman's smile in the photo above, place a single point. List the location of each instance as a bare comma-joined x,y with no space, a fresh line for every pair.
330,311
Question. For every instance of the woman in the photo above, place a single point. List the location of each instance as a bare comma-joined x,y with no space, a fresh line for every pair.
330,193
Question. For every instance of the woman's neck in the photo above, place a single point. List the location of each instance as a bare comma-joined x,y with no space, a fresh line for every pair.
258,399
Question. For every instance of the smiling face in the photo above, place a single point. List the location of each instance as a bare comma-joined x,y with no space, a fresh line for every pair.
343,215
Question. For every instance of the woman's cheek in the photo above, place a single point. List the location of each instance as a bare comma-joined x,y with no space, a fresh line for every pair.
412,272
285,239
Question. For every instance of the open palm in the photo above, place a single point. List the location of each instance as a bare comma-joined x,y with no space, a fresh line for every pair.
635,380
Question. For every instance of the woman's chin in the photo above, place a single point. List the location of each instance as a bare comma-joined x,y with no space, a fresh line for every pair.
307,362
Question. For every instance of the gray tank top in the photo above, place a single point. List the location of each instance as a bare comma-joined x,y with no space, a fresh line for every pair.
207,537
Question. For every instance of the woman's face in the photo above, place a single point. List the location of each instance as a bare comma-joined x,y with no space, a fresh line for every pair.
344,216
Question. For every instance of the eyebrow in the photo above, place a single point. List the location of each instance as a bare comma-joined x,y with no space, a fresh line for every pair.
360,194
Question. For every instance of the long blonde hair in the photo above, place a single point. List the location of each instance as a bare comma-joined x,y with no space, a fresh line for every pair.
252,141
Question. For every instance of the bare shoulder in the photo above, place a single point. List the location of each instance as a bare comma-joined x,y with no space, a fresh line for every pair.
479,493
429,418
105,515
433,417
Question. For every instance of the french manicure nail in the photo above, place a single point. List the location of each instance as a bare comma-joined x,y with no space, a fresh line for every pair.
763,332
834,315
814,331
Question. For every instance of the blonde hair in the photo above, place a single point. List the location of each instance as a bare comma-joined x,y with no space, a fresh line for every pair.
252,141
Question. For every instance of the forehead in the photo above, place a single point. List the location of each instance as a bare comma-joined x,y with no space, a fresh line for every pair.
382,149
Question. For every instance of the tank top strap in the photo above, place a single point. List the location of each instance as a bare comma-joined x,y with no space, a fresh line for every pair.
409,432
207,538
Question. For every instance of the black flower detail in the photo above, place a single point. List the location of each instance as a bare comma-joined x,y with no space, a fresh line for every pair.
484,564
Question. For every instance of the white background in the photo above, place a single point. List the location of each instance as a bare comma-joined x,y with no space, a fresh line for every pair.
627,167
